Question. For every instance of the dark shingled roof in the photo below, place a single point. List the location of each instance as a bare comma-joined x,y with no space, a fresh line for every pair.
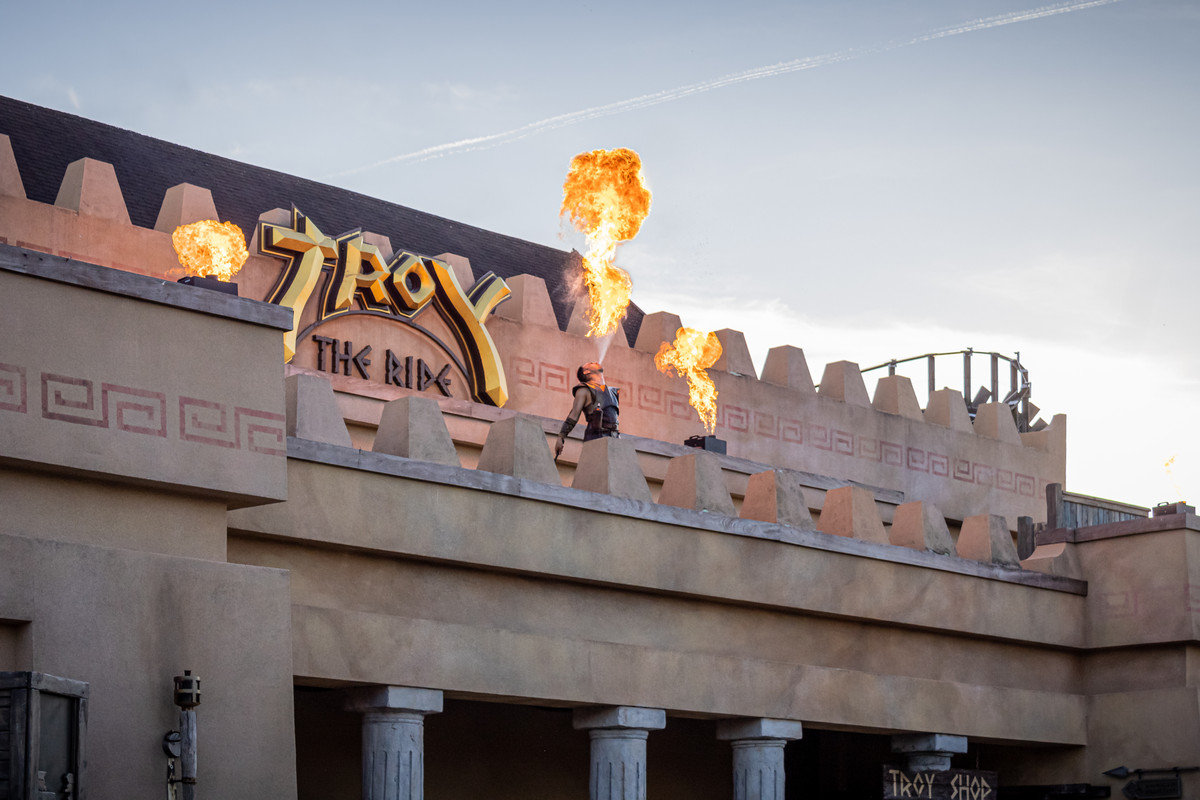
45,141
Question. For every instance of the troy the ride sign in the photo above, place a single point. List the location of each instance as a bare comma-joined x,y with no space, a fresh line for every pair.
357,280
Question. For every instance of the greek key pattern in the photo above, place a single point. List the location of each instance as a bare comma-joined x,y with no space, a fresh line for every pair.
1131,603
541,374
144,412
656,400
12,388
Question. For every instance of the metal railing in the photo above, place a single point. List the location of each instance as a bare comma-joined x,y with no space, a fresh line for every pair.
1017,397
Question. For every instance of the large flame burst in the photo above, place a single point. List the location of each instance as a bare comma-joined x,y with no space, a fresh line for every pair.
212,248
606,198
692,354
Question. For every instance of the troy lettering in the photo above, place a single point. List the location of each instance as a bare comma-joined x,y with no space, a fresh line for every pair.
917,785
359,280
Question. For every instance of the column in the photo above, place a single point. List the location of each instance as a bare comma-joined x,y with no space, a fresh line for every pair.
928,752
758,744
618,733
394,739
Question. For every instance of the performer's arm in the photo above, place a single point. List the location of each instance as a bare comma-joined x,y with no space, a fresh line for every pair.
581,398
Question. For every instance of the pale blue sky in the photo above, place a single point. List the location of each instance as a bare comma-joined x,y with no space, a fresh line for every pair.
1032,186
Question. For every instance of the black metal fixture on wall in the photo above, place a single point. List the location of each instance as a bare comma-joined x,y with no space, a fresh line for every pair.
1167,787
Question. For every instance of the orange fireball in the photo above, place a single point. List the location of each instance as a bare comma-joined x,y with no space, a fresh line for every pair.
605,197
211,248
692,353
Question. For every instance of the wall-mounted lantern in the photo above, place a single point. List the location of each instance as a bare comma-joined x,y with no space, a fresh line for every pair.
181,744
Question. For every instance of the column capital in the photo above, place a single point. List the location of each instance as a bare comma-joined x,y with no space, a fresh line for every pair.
394,698
928,743
649,719
928,751
759,728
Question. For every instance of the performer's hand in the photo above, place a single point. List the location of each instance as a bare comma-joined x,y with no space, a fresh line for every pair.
558,446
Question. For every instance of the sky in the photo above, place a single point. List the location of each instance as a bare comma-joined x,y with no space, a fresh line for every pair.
863,179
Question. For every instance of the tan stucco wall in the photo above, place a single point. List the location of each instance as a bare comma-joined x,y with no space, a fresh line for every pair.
111,515
126,622
115,483
127,430
98,381
558,602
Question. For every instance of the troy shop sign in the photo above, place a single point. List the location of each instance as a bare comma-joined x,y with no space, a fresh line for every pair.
952,784
357,280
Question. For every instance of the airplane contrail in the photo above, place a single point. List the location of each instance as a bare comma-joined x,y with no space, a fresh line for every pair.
678,93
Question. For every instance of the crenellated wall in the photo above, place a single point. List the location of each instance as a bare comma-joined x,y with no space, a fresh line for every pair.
883,440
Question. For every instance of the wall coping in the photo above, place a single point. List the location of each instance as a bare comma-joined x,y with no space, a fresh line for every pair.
384,464
141,287
1113,530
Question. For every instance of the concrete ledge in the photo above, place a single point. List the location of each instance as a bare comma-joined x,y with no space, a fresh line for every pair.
379,463
140,287
764,688
1113,530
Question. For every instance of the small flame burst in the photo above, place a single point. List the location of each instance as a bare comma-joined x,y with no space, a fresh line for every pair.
606,198
211,248
1168,465
692,354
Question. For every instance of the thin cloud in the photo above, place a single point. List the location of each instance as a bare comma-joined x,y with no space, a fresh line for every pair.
681,92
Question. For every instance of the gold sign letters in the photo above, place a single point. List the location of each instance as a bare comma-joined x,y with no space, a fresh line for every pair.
400,289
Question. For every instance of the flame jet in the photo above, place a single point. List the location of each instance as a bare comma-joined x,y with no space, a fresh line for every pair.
211,248
692,353
605,197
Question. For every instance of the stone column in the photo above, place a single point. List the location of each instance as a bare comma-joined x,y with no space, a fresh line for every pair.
618,733
758,755
929,752
394,739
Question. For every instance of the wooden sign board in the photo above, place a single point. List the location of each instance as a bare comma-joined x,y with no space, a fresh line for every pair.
952,784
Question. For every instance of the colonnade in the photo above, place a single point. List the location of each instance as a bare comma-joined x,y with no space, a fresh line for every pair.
393,719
